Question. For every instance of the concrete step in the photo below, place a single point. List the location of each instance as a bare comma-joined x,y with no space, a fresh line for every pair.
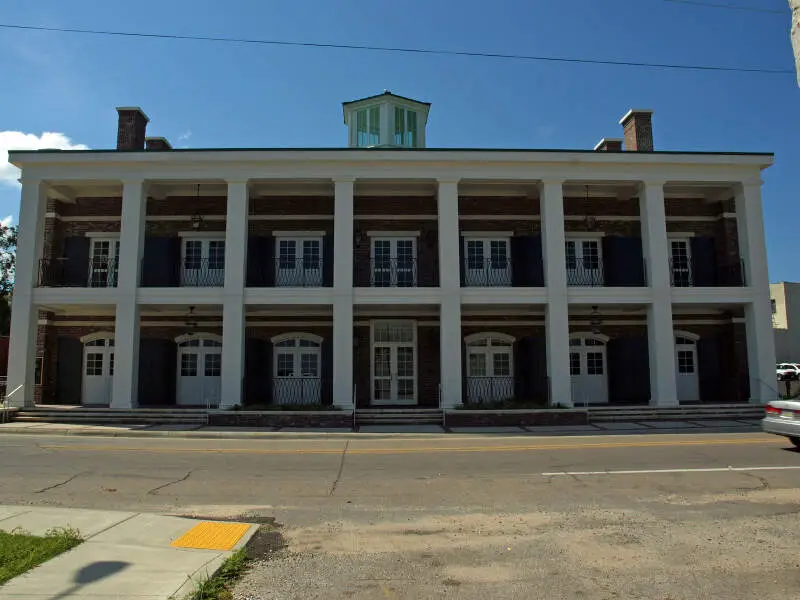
399,416
105,416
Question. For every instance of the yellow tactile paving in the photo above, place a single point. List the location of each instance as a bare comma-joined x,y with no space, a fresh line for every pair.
209,535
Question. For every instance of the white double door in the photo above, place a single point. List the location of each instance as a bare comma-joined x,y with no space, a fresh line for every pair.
394,363
299,262
297,374
104,263
394,262
487,263
199,373
587,365
203,262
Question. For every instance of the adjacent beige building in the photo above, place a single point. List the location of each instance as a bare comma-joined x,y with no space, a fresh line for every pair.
785,298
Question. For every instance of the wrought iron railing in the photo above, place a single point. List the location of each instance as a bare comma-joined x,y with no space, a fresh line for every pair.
298,272
67,272
682,274
297,390
489,389
394,272
585,272
490,272
202,272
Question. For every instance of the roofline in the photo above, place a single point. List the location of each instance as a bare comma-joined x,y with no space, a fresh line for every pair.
387,93
391,149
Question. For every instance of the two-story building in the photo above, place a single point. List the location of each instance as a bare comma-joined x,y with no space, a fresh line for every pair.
387,273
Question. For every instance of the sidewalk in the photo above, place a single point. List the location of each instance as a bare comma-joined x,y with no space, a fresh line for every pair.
124,554
220,432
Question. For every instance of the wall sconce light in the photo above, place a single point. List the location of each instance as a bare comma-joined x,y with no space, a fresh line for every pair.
191,323
595,320
359,238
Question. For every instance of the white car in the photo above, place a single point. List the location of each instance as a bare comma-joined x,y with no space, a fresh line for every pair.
783,418
788,371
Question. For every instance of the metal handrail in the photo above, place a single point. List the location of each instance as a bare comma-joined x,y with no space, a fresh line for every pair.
489,272
298,272
93,273
585,272
202,272
489,389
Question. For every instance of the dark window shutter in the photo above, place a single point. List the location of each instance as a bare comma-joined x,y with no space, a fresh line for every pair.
157,372
327,371
708,371
327,260
704,264
540,391
524,355
527,269
462,265
256,260
76,268
623,261
628,365
69,371
267,372
519,270
161,261
269,258
536,260
255,391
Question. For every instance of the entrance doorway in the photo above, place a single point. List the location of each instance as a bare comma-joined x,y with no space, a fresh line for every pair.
98,370
587,367
394,362
687,380
199,370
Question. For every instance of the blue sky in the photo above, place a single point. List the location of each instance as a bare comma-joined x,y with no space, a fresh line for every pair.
200,94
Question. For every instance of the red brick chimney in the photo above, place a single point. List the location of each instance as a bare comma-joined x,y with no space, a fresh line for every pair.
638,127
609,145
131,128
157,143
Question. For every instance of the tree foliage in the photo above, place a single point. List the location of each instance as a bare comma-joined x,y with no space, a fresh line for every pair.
8,254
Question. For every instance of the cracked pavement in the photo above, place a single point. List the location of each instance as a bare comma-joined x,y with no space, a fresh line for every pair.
692,515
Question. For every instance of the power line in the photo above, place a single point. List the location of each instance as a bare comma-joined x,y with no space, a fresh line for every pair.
773,11
430,51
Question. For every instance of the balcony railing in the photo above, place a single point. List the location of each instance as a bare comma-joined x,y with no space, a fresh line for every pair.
202,273
298,272
585,272
395,273
298,390
682,274
490,272
489,389
66,272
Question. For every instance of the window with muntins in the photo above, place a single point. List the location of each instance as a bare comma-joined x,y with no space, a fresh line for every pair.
368,127
405,127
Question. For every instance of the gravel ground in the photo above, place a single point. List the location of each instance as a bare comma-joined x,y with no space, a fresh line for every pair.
732,546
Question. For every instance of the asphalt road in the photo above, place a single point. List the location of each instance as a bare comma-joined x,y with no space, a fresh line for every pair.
646,516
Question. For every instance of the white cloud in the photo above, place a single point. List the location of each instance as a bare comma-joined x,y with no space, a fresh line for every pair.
17,140
185,135
7,222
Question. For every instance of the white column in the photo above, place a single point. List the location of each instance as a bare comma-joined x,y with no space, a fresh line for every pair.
24,313
126,328
450,342
660,333
557,311
233,309
343,294
758,324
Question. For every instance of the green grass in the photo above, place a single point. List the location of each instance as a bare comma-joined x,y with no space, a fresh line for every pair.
20,552
219,586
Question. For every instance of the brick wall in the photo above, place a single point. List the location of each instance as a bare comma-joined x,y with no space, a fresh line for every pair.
498,205
187,205
292,205
394,205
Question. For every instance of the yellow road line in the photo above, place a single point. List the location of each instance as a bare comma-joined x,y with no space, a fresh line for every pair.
423,449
